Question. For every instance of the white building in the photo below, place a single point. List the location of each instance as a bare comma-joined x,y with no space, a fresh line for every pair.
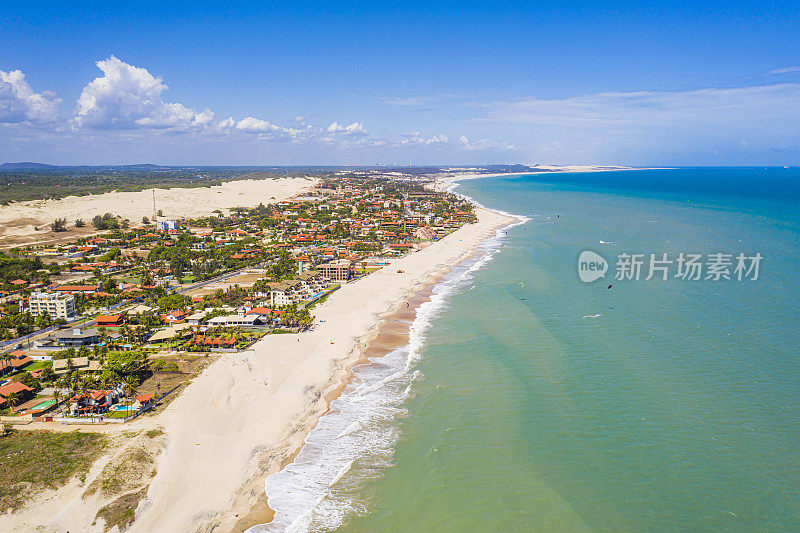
167,225
55,304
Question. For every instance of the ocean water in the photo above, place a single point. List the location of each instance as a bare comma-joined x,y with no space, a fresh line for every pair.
530,400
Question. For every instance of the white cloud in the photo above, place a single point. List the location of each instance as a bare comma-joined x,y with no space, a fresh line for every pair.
18,102
483,144
356,128
128,97
784,70
204,118
256,125
415,138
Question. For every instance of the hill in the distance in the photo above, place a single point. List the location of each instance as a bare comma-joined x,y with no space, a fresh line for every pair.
25,165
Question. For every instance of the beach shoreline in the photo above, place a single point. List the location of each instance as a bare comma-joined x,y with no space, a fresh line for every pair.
392,333
295,377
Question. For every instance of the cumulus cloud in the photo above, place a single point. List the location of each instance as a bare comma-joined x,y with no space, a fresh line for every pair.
415,138
356,128
19,104
256,125
129,97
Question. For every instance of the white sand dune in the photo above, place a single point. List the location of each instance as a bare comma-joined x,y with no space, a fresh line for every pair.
20,218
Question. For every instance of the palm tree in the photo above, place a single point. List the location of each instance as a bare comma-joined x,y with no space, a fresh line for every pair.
56,396
5,356
130,385
83,387
13,399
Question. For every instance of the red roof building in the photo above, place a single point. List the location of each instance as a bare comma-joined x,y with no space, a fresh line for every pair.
109,320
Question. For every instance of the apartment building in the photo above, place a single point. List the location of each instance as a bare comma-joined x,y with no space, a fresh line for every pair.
57,305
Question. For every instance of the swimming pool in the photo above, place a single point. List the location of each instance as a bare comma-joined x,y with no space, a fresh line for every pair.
42,405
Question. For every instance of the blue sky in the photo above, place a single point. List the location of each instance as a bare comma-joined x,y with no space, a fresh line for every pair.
361,83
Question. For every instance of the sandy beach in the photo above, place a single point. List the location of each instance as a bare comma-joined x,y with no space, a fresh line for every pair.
248,413
445,183
19,220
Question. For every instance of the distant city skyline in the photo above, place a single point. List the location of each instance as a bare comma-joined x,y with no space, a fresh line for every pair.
466,83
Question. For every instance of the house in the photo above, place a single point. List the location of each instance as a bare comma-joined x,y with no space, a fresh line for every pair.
216,342
92,402
61,366
263,313
196,318
236,321
83,289
18,360
177,330
20,390
425,234
144,401
76,337
174,316
109,320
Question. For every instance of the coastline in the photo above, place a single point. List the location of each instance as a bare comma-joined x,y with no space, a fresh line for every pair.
248,414
448,182
392,333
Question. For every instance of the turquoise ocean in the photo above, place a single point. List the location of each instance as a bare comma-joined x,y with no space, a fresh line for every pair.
529,400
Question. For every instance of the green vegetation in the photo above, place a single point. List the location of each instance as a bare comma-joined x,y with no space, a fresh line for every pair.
30,270
122,474
153,433
107,221
121,511
36,460
59,224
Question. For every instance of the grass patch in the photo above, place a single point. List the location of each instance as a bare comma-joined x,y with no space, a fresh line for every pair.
34,460
121,475
121,511
153,433
188,366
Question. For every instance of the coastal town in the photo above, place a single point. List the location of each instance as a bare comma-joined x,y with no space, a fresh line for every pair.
111,325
